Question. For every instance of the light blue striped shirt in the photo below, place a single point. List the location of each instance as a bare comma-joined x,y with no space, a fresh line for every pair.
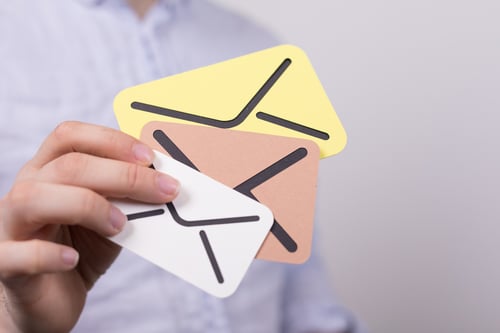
66,60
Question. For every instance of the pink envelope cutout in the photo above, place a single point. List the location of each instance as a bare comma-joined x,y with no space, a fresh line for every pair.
279,172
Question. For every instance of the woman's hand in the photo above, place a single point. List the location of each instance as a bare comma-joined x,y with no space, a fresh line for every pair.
55,221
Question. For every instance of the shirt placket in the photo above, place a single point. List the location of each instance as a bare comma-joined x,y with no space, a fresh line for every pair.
207,312
152,63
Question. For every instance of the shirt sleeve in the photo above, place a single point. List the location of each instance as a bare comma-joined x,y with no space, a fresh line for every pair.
309,302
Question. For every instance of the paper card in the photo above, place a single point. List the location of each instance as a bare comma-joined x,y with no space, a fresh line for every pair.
274,91
208,235
279,172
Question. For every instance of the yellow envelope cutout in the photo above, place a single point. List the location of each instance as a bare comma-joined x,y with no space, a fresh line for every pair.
274,91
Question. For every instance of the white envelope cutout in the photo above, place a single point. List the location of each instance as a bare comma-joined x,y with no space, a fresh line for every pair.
208,235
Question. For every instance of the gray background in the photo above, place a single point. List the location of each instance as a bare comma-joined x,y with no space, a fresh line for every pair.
409,211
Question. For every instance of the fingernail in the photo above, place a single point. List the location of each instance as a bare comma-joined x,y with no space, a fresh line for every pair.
143,153
168,185
117,218
69,257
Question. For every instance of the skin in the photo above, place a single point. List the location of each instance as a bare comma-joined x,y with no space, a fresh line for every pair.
55,221
141,7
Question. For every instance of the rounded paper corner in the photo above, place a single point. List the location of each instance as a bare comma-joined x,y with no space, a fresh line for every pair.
119,106
302,259
270,216
120,97
317,149
337,146
225,293
342,144
303,256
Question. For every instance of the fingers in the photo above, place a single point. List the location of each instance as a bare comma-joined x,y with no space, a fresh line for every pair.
101,159
35,257
111,178
31,206
94,140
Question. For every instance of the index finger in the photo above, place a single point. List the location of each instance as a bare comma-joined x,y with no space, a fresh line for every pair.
73,136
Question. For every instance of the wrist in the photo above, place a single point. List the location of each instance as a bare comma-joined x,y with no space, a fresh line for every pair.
6,321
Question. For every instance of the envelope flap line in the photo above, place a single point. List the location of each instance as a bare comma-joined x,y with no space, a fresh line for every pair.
198,223
244,188
272,170
293,125
171,148
141,106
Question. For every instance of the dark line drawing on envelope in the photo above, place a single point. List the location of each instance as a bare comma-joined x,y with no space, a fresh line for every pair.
243,114
211,256
200,223
148,213
248,185
195,223
292,125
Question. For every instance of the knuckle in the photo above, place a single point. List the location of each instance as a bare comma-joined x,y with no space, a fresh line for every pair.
36,263
69,166
132,176
118,142
65,129
22,193
111,136
14,207
89,204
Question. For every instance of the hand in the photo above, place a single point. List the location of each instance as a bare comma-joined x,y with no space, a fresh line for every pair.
55,220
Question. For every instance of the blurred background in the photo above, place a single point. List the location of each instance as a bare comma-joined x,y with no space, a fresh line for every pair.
409,211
